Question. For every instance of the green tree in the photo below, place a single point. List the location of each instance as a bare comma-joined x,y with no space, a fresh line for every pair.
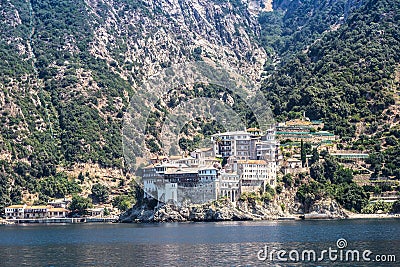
288,180
352,197
315,156
106,212
81,177
343,175
317,172
100,193
79,205
123,203
396,207
330,167
308,193
278,189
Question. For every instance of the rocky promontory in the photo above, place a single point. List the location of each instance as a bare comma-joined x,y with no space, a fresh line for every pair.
248,209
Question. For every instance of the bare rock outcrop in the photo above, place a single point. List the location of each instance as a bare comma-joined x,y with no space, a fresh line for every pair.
282,206
327,207
221,210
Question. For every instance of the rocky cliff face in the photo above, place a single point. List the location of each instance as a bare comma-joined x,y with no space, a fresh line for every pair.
69,69
150,35
216,211
283,206
94,53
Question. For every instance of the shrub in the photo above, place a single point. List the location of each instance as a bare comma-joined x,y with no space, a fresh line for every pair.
100,193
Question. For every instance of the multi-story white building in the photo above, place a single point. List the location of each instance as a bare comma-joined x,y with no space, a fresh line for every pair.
246,144
189,161
207,174
254,174
171,183
230,185
228,144
34,212
252,155
15,211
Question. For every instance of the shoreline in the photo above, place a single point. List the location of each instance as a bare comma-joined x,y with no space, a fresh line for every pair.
304,217
59,220
353,216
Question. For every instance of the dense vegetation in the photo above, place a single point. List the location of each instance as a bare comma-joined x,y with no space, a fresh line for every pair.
295,25
52,114
79,205
330,179
100,193
125,202
346,76
385,158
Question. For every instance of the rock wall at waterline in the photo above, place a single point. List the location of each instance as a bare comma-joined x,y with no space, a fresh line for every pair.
224,210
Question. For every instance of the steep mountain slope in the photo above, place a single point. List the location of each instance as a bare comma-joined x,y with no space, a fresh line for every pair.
69,69
295,25
349,79
347,75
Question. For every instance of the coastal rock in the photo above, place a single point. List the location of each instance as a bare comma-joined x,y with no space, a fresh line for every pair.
222,210
140,213
282,206
327,207
168,214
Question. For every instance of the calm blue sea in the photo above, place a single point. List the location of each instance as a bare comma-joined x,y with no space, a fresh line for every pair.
202,244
